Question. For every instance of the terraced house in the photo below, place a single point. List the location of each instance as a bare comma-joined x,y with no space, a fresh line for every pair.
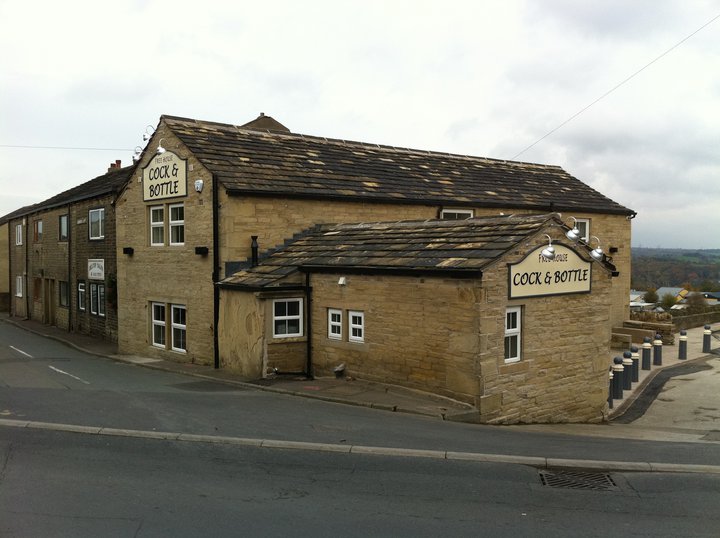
254,248
62,257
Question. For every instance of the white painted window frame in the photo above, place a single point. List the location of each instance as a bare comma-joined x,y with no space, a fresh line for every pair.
19,286
445,213
513,332
288,317
335,331
584,236
157,225
155,322
100,212
356,327
176,224
81,296
177,326
18,235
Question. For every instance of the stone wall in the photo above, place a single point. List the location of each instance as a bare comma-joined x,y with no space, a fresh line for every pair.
5,286
18,267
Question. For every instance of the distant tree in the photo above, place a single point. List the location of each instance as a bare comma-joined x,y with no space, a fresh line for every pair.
696,300
667,301
651,296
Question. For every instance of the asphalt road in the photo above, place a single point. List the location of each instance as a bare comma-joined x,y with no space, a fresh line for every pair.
43,380
58,484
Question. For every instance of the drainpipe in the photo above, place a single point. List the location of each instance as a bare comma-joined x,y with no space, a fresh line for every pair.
216,270
254,251
71,282
308,327
27,264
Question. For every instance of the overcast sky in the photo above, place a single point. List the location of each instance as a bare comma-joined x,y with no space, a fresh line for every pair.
484,78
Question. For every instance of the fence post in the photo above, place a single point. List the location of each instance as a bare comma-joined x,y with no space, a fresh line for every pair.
617,378
657,350
635,364
627,370
707,333
646,347
682,346
610,388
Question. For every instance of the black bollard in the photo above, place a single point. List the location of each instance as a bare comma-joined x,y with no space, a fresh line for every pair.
617,378
635,364
610,389
657,350
707,333
627,370
646,347
682,346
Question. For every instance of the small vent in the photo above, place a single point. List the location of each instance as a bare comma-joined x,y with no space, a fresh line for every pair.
578,480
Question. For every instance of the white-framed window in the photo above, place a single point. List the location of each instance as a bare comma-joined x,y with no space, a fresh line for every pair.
356,326
64,289
334,323
63,228
81,296
583,226
287,317
513,333
179,328
19,286
457,214
157,226
177,224
97,299
158,324
96,218
18,234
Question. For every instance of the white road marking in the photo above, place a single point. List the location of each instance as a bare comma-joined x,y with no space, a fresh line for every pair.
21,351
58,370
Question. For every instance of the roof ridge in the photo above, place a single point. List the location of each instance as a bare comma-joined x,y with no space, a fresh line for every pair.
360,144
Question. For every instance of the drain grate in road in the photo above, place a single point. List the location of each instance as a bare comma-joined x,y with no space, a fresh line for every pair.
578,480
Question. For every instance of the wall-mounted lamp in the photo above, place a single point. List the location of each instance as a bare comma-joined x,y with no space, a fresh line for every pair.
199,185
129,251
342,281
573,234
137,154
549,251
597,252
160,149
202,251
149,130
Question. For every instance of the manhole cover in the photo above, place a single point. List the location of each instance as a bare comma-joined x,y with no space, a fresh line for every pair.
577,480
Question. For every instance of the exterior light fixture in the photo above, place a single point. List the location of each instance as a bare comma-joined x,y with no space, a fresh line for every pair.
342,281
149,130
573,234
597,252
549,251
160,149
137,154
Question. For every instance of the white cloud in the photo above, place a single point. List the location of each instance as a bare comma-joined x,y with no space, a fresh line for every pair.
483,78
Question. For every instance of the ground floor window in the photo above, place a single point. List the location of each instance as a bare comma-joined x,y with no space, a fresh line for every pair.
172,335
158,324
334,323
81,296
97,299
287,317
18,286
356,321
178,328
513,332
64,293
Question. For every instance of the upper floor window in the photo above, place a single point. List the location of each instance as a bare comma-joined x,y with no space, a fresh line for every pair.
177,224
157,226
18,234
583,226
63,228
457,214
37,230
97,223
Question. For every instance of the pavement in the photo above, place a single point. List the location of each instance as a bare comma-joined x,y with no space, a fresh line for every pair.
636,416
